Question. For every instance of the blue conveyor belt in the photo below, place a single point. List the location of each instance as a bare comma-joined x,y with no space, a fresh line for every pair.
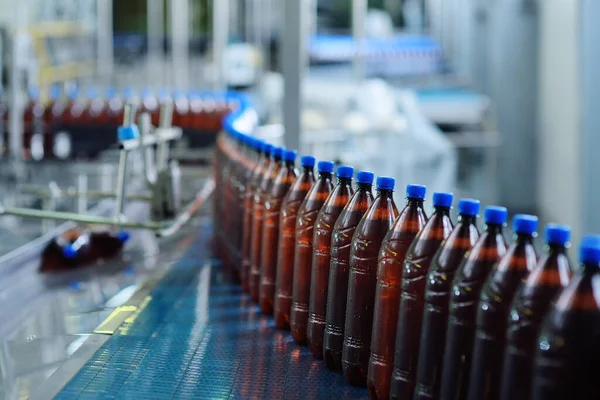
199,336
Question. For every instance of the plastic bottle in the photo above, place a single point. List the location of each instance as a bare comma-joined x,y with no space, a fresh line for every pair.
531,304
258,208
33,125
263,154
339,268
321,258
568,350
181,112
77,106
287,241
464,298
96,110
270,235
393,251
362,282
236,202
437,296
307,216
412,296
78,247
494,306
148,102
115,107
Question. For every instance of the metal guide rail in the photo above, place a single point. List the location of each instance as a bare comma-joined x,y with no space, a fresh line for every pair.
161,176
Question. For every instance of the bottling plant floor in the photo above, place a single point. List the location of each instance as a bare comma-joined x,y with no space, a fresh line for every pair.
197,335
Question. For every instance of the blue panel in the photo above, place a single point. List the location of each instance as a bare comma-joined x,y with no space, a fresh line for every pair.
200,337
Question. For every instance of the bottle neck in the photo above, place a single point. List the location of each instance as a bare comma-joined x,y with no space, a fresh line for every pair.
555,248
442,210
324,175
468,219
364,187
290,164
524,238
385,193
494,229
344,181
590,268
410,201
276,160
307,170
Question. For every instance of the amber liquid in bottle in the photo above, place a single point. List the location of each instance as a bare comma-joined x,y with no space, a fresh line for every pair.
494,305
437,296
464,298
412,296
287,242
258,208
251,185
321,258
270,236
387,293
341,241
531,304
307,217
568,350
362,281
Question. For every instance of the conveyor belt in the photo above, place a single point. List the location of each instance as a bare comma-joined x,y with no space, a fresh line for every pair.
199,336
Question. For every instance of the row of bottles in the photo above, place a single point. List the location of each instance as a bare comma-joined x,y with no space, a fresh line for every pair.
408,304
92,117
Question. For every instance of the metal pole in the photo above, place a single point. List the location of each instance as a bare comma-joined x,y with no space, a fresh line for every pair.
162,158
220,38
156,34
82,184
104,34
180,40
359,13
128,115
293,63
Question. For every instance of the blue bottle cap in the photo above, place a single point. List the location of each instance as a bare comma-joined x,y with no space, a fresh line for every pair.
128,92
525,224
344,171
442,199
468,207
242,138
589,252
308,161
178,94
277,152
91,92
110,92
123,236
54,92
73,93
69,252
258,144
163,94
385,183
146,92
128,132
495,215
415,191
558,234
325,166
34,92
290,155
267,148
365,177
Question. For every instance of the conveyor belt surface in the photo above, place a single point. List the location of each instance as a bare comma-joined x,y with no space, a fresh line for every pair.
197,335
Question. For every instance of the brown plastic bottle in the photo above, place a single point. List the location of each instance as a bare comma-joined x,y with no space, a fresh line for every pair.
568,350
303,252
258,210
437,296
494,306
412,295
321,258
337,293
270,235
226,253
287,241
393,251
464,298
263,153
362,281
531,304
